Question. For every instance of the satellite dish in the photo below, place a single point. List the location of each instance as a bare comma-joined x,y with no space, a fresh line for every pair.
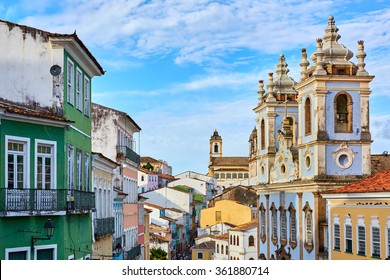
55,70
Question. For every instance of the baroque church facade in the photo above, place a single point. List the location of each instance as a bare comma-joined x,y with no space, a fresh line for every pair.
310,136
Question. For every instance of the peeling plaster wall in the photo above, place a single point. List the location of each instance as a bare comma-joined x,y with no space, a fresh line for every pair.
26,58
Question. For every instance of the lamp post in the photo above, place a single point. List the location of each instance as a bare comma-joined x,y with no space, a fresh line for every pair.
49,231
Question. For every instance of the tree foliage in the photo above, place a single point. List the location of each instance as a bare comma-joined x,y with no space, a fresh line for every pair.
158,254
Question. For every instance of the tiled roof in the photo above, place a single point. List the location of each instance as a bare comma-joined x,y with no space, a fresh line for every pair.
222,236
20,109
146,171
205,245
245,226
160,237
379,182
149,159
46,34
380,162
228,161
166,176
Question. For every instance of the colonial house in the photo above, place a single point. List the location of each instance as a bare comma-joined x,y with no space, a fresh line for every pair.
312,135
243,242
221,247
358,219
46,127
228,211
202,187
104,173
147,180
203,251
114,135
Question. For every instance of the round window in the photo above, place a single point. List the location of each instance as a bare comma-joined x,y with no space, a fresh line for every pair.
308,162
344,160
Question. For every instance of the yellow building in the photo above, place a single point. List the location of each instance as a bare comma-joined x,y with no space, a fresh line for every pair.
203,251
359,219
225,211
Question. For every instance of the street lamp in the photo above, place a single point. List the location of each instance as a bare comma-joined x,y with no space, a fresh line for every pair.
49,231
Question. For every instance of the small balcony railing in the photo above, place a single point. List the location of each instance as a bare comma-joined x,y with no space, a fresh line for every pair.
129,153
33,200
103,227
41,200
81,200
133,253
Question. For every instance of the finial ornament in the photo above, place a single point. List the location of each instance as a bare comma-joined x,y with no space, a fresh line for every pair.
360,55
261,91
304,64
319,55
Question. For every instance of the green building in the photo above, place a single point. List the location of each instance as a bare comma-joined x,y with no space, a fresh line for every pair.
45,144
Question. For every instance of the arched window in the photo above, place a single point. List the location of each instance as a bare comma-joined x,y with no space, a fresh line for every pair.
308,225
231,242
307,116
238,241
228,176
227,250
283,225
215,148
251,241
343,112
263,235
262,134
222,175
234,175
222,251
293,226
274,221
217,248
240,175
246,175
234,240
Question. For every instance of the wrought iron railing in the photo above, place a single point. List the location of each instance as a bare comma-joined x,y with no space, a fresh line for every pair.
103,226
45,200
128,153
81,200
133,253
32,200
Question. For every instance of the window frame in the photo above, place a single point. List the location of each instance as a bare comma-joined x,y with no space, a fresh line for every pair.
79,89
53,156
375,243
87,96
70,166
18,249
26,161
307,116
70,88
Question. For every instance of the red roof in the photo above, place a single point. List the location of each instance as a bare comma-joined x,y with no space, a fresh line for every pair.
379,182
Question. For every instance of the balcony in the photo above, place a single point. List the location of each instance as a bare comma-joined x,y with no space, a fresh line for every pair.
39,201
133,253
129,154
103,227
81,201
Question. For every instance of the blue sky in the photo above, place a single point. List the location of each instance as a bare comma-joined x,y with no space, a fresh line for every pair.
181,69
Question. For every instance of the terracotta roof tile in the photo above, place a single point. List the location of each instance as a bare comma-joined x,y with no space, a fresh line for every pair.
222,236
25,110
380,162
226,161
245,226
379,182
205,245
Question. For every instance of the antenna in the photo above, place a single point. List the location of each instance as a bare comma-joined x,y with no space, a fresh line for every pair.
55,70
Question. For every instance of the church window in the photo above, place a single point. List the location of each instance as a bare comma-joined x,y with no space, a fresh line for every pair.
283,225
215,148
343,112
251,241
228,175
307,116
234,175
308,227
222,175
293,226
222,251
262,136
238,241
246,175
308,162
263,235
274,220
216,175
240,175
